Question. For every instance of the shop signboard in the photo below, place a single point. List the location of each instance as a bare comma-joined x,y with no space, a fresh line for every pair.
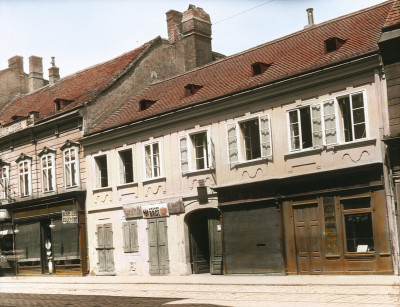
69,217
152,211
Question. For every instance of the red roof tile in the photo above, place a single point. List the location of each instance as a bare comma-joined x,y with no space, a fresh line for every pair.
295,54
79,88
393,18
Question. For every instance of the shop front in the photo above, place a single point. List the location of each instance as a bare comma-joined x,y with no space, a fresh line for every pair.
50,236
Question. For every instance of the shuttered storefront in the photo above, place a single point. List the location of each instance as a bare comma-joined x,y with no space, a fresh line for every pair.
252,238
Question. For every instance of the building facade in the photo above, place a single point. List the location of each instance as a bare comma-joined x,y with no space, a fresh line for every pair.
262,162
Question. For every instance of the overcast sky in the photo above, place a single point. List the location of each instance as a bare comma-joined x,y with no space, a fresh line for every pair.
81,33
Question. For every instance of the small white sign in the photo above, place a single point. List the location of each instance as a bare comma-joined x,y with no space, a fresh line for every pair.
69,217
362,248
218,227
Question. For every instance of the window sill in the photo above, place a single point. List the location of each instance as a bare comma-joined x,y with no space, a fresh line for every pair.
104,189
253,162
126,185
198,172
304,152
353,144
353,255
151,180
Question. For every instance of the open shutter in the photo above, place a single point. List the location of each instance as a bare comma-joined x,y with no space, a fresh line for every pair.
125,228
265,136
330,122
212,155
232,144
133,236
316,124
183,149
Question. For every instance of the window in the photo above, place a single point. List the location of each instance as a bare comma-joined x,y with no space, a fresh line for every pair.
152,160
352,117
195,152
358,225
101,171
71,167
4,180
126,166
130,237
332,121
48,172
249,140
24,174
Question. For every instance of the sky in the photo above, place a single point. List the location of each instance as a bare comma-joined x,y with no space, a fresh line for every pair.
82,33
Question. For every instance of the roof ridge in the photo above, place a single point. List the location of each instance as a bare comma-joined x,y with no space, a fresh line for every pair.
277,40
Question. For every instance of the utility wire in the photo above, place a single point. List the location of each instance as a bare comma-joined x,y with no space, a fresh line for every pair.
243,12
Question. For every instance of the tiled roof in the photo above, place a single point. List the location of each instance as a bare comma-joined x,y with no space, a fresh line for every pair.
393,18
78,88
295,54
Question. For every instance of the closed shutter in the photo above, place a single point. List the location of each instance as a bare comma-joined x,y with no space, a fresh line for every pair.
153,248
265,136
163,246
316,124
183,149
232,144
130,237
105,248
330,122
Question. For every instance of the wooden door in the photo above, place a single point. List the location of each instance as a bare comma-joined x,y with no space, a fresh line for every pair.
200,249
158,246
105,248
308,238
214,232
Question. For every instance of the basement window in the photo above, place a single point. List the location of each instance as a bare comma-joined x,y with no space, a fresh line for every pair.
259,67
192,89
145,104
333,44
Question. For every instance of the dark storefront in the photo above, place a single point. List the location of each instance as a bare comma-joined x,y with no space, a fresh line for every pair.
49,236
328,223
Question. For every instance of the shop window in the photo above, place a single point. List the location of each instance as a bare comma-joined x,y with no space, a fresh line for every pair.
101,171
252,142
130,237
358,225
24,175
126,166
71,164
4,181
352,117
152,160
48,172
195,151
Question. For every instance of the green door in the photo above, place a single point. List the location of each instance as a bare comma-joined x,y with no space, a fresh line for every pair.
105,249
158,246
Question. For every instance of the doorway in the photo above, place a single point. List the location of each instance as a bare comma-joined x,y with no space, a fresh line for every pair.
308,238
205,241
158,245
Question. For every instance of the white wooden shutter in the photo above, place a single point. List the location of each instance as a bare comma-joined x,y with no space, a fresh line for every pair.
265,136
183,149
232,144
330,122
316,124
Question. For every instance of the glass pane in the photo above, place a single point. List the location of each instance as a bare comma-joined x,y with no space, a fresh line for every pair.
357,101
358,116
359,235
356,203
359,131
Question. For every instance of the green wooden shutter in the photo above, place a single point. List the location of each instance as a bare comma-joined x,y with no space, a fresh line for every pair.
133,235
153,248
330,122
316,124
265,136
183,149
125,228
109,249
232,144
163,259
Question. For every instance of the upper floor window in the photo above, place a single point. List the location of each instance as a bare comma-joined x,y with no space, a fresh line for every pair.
71,164
47,158
337,120
152,160
195,151
101,171
125,166
4,180
24,175
249,139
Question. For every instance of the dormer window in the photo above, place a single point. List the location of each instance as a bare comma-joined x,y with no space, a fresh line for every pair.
61,103
16,117
145,104
192,89
333,44
259,67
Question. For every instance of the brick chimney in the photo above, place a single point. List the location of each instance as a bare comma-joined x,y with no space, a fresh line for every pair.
36,80
16,62
54,72
191,31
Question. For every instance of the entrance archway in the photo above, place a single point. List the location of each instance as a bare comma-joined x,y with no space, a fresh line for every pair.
205,241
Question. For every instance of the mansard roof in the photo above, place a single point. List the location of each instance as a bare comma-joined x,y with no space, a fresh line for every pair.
292,55
77,88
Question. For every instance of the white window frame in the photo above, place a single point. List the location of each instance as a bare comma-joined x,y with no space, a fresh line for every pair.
46,170
265,137
26,176
189,150
150,144
5,180
121,169
67,167
97,171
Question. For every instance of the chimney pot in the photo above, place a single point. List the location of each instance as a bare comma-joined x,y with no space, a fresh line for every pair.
310,17
54,72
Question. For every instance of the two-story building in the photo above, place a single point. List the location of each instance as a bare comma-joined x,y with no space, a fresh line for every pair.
268,161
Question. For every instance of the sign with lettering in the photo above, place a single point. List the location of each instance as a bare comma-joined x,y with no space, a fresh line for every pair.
69,217
173,205
152,211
